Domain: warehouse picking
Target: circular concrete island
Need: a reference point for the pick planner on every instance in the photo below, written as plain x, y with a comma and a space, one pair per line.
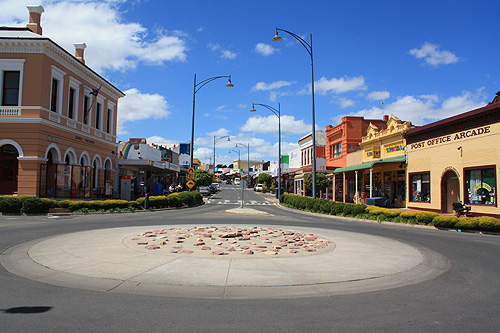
231, 262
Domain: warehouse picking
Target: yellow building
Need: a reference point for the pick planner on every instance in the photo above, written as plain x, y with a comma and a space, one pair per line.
57, 118
456, 160
382, 171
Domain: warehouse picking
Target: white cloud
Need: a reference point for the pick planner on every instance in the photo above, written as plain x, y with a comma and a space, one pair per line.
220, 132
433, 56
265, 49
421, 110
345, 103
269, 124
337, 86
138, 106
96, 24
378, 95
224, 53
271, 86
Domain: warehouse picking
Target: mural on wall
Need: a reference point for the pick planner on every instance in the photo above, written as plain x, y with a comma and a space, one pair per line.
166, 154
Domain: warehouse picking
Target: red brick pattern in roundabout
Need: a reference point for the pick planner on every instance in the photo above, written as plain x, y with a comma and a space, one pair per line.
233, 242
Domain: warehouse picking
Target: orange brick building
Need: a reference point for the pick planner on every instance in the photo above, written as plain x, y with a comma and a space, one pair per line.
345, 138
57, 118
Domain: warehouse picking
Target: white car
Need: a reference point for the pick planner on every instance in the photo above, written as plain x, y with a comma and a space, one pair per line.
259, 187
216, 186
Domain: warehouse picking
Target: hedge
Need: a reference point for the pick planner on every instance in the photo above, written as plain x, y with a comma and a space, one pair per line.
35, 205
483, 223
321, 206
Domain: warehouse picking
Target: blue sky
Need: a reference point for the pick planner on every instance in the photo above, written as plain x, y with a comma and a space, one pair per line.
419, 60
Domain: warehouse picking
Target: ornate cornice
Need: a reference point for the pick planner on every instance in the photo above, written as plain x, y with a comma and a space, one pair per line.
49, 48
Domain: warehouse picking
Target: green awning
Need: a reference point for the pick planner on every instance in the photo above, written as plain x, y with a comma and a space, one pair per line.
368, 165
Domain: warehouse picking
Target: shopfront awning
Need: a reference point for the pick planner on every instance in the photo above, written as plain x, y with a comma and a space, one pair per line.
369, 165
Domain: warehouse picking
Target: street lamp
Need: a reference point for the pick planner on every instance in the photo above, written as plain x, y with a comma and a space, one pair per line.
217, 140
236, 151
242, 181
309, 50
196, 88
247, 147
277, 113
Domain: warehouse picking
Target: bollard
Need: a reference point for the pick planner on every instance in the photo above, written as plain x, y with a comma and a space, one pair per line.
146, 201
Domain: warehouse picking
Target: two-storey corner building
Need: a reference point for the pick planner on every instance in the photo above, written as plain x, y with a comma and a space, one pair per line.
57, 118
382, 171
344, 138
456, 159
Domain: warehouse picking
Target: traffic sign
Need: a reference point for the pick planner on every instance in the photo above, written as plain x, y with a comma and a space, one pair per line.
191, 170
190, 184
190, 175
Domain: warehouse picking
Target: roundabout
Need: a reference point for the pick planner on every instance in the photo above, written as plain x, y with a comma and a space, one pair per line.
239, 262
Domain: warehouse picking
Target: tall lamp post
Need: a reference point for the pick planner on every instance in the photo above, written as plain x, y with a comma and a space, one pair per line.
242, 181
236, 151
247, 147
196, 88
277, 113
309, 50
217, 140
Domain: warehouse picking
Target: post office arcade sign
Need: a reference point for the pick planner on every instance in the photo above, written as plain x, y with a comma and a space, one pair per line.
451, 137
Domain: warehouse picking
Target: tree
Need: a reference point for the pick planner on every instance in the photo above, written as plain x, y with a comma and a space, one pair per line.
202, 177
265, 179
321, 181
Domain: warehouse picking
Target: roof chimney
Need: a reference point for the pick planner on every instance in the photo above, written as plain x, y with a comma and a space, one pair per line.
79, 49
35, 18
386, 118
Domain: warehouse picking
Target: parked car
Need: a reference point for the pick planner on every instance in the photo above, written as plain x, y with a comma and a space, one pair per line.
204, 190
258, 187
236, 181
216, 186
229, 182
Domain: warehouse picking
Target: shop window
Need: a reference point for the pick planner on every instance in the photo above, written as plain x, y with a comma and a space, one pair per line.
86, 110
57, 85
98, 116
108, 121
420, 187
337, 150
53, 95
10, 91
480, 186
71, 103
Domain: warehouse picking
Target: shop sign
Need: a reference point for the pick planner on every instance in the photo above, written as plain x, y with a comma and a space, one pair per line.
452, 137
393, 149
375, 152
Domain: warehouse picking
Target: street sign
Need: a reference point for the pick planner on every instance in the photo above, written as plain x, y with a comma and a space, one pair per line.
191, 170
190, 175
190, 183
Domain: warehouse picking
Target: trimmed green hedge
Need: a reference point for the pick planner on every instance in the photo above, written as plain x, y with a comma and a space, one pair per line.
483, 223
35, 205
322, 206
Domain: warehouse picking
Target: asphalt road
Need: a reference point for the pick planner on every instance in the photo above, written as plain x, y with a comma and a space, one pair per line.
464, 299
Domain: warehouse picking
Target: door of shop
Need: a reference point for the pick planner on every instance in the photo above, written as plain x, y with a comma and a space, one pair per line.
450, 191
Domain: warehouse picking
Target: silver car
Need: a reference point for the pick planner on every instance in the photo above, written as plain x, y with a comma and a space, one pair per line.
204, 190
